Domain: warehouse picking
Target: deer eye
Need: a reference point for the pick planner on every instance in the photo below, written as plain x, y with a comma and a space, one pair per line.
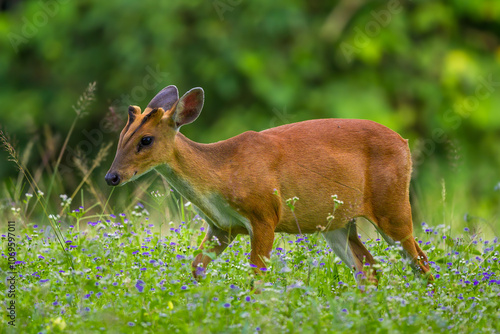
146, 141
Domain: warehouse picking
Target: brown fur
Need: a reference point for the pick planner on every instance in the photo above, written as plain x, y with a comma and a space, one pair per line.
365, 164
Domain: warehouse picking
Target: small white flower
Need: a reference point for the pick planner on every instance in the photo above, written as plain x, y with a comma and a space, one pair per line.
336, 200
157, 194
40, 193
28, 195
65, 200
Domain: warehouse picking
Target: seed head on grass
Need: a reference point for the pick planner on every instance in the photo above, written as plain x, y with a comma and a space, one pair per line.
9, 148
85, 99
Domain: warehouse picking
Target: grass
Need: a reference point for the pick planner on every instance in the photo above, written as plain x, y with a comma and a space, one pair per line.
85, 266
130, 275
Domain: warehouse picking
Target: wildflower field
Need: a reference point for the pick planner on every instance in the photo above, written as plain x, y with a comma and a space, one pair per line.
119, 261
127, 273
78, 256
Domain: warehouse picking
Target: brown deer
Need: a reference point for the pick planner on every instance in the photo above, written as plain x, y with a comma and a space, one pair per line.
241, 185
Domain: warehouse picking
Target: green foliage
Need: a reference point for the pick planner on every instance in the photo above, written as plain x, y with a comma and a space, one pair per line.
427, 69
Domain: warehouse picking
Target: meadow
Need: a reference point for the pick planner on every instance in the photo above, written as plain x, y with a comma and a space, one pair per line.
130, 272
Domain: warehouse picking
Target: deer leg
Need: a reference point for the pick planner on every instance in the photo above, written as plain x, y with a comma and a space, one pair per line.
218, 240
361, 254
346, 245
338, 240
262, 239
401, 229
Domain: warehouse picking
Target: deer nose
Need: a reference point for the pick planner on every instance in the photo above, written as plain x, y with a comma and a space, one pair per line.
113, 179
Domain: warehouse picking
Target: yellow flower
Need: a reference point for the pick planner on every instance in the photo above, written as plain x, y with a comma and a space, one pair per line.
59, 323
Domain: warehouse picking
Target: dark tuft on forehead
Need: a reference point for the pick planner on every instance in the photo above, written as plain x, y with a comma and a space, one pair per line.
131, 114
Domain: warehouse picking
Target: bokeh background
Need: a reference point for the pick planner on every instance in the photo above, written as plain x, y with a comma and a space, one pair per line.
430, 70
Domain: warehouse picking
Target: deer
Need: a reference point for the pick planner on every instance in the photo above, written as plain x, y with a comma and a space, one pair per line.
241, 185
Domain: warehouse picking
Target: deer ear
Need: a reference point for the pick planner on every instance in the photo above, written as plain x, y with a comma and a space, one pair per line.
189, 107
165, 99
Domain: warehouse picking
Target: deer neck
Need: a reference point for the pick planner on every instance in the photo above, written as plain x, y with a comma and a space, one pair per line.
192, 168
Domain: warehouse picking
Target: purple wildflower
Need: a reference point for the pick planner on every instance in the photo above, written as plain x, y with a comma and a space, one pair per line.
139, 285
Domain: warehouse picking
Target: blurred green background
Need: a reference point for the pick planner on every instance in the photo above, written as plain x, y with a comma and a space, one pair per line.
430, 70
